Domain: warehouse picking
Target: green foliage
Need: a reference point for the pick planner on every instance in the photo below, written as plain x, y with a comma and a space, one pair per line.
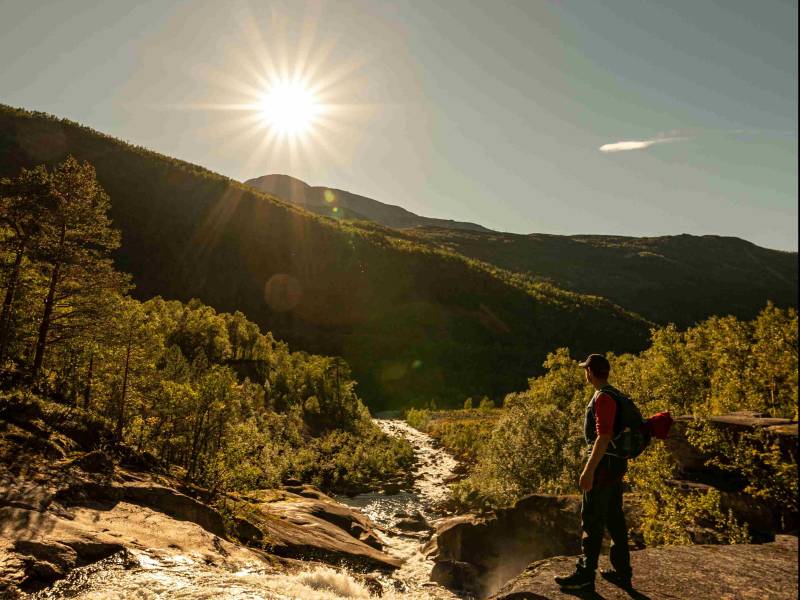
224, 405
720, 365
672, 279
418, 418
351, 461
468, 404
769, 471
675, 516
462, 434
486, 404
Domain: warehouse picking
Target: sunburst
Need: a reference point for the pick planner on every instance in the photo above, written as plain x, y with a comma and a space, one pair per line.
290, 96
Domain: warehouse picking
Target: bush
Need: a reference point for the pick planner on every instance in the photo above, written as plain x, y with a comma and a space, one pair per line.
418, 418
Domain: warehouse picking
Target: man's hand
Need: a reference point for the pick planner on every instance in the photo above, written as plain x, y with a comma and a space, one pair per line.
586, 480
598, 450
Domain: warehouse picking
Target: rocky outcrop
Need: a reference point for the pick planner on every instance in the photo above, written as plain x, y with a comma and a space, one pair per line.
310, 528
66, 501
696, 475
476, 554
691, 461
698, 572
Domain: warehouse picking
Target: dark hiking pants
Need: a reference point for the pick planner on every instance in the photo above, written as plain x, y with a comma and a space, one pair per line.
601, 509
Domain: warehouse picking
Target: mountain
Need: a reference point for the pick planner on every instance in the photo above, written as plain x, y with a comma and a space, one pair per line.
671, 279
414, 321
330, 202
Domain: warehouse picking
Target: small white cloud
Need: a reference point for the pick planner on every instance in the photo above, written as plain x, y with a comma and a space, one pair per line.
637, 144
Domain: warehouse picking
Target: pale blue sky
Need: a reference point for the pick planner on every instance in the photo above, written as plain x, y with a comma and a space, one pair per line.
492, 112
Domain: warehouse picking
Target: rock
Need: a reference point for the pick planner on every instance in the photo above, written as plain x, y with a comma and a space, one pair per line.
698, 572
173, 503
764, 520
691, 461
298, 527
55, 553
95, 461
292, 481
500, 546
416, 522
373, 586
456, 575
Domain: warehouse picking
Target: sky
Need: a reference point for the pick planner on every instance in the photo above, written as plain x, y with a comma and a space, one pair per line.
622, 117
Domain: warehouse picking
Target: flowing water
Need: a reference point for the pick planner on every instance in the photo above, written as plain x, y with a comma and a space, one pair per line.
151, 575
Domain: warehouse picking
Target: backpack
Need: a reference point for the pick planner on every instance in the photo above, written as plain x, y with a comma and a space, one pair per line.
635, 432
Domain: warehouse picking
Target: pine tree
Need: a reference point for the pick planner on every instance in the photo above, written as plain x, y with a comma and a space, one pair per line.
76, 241
24, 202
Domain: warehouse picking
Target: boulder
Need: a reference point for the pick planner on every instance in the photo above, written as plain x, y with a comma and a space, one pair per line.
416, 522
501, 545
294, 526
456, 575
95, 461
698, 572
764, 520
691, 462
173, 503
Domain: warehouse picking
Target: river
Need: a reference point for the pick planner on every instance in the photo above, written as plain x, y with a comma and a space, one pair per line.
145, 575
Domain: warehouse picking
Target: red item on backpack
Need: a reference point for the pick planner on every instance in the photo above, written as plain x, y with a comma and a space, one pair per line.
658, 425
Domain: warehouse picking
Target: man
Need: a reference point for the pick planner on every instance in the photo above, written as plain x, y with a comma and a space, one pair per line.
601, 484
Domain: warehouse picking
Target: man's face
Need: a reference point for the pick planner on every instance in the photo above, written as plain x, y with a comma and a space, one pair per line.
588, 374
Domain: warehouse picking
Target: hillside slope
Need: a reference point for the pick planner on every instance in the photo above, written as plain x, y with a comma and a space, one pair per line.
414, 321
680, 279
340, 204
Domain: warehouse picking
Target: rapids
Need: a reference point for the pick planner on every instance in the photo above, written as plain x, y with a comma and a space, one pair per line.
144, 574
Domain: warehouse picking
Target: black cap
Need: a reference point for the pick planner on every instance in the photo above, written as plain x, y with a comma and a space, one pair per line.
597, 364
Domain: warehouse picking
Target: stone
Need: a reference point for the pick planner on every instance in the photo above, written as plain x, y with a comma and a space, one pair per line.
95, 461
501, 545
173, 503
416, 522
456, 575
711, 572
294, 526
373, 586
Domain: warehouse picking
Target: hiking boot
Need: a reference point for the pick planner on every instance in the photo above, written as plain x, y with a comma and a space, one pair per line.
579, 580
616, 578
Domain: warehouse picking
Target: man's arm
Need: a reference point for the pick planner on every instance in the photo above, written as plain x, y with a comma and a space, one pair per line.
598, 451
605, 410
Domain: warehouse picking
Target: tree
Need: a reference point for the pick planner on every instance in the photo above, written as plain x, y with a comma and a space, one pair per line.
76, 241
23, 206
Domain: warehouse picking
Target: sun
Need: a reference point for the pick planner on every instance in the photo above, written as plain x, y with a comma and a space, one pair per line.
290, 107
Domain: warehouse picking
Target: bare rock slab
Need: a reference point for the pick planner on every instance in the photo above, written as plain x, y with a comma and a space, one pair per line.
741, 572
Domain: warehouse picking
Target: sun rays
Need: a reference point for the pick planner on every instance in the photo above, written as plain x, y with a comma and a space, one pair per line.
286, 95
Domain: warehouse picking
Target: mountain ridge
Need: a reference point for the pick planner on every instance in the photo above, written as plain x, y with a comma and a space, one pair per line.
679, 278
329, 201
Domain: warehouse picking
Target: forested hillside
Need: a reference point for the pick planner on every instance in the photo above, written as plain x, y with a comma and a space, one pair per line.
415, 322
671, 279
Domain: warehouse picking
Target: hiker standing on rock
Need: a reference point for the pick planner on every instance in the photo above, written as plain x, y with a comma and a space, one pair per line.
601, 484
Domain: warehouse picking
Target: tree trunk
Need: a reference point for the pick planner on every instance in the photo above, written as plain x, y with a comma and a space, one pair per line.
8, 303
87, 391
121, 410
44, 326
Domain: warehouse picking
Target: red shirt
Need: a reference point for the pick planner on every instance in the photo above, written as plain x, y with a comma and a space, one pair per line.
605, 409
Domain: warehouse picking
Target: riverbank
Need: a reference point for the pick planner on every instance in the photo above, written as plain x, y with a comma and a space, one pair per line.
85, 516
